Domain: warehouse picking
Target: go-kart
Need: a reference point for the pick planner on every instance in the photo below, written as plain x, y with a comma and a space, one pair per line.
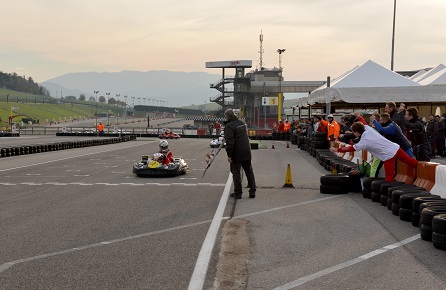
215, 143
169, 135
150, 167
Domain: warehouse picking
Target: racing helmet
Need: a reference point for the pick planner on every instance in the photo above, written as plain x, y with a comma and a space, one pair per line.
157, 156
164, 146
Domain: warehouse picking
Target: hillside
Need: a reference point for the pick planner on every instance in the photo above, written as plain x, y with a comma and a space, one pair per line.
44, 109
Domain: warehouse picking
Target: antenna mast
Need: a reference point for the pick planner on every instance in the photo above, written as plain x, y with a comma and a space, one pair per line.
261, 50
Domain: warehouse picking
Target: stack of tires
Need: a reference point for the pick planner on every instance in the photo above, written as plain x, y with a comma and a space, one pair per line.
367, 186
439, 231
340, 183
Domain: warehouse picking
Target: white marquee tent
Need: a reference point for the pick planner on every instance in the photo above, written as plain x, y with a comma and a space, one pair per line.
373, 83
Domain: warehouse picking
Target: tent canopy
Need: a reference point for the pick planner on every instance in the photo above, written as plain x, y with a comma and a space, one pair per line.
373, 83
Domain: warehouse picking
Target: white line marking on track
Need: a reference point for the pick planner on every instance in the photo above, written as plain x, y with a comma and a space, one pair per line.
35, 174
7, 265
118, 172
82, 175
71, 170
66, 158
346, 264
201, 267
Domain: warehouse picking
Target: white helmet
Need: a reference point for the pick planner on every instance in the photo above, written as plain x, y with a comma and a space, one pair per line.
157, 156
164, 146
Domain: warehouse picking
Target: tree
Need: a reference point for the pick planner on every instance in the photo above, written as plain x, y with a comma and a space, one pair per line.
101, 99
91, 99
82, 97
70, 98
111, 101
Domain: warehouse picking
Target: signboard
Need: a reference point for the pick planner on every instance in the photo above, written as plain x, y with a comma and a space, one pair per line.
229, 63
15, 108
270, 101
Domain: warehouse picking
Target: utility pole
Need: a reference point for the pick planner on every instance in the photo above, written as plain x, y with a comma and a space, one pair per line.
279, 94
97, 131
117, 112
393, 35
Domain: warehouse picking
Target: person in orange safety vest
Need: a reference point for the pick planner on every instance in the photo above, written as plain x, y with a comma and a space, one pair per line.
333, 128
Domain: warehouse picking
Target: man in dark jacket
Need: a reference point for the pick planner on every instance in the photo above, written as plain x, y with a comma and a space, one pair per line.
417, 134
397, 114
238, 150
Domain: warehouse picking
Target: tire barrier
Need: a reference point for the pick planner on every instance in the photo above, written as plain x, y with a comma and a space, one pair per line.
439, 231
64, 145
415, 196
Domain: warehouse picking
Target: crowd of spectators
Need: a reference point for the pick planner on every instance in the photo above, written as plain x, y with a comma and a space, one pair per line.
419, 138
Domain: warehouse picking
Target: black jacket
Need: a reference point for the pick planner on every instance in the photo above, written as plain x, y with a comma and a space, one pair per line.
237, 140
398, 117
417, 131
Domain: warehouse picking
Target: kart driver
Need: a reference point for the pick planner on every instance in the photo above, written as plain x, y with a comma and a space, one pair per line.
167, 155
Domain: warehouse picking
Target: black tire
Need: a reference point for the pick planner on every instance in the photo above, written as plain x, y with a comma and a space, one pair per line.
333, 189
405, 214
439, 240
384, 186
376, 185
439, 224
405, 188
375, 196
428, 214
416, 219
335, 180
366, 193
389, 203
395, 209
426, 232
406, 200
383, 200
367, 182
418, 201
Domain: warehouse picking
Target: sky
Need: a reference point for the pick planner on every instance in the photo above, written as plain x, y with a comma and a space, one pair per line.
44, 39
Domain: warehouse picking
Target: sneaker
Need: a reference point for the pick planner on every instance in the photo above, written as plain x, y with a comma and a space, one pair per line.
237, 196
252, 194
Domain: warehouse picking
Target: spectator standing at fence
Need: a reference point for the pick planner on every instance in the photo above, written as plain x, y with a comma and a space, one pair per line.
397, 114
101, 128
211, 128
333, 127
281, 126
440, 142
417, 133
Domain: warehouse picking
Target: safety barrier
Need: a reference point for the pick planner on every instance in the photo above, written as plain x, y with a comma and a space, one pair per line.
38, 148
439, 187
426, 174
405, 173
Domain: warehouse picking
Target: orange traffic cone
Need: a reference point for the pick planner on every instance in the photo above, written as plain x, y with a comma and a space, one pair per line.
287, 145
272, 147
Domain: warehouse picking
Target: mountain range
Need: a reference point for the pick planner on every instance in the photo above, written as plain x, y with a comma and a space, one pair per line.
175, 88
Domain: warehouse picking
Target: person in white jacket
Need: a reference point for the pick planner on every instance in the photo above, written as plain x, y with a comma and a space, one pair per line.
378, 146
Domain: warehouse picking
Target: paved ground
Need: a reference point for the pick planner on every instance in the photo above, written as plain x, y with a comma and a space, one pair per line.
79, 218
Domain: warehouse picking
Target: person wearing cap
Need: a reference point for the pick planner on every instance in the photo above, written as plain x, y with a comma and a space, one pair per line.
333, 127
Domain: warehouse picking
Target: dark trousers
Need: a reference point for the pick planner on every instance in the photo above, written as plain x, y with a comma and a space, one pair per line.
237, 176
440, 146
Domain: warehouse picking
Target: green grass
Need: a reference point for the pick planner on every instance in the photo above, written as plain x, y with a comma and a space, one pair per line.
39, 108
